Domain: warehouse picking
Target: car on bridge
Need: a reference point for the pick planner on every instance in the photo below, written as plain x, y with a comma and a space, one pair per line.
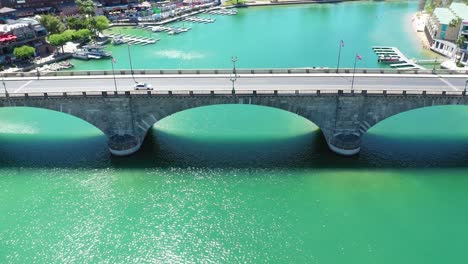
143, 86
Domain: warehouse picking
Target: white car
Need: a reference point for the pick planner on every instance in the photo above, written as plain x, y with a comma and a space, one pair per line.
143, 86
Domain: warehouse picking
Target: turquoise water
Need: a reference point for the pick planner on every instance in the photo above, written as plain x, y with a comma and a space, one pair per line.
234, 183
277, 37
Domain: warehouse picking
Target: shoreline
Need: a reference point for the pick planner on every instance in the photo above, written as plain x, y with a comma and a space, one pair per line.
294, 2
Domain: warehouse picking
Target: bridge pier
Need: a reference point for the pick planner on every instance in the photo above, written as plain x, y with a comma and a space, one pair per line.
346, 144
124, 145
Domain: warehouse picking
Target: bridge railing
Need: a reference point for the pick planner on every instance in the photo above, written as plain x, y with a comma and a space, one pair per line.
229, 71
240, 93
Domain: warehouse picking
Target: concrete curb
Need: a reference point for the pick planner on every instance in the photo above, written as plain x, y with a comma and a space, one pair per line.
211, 76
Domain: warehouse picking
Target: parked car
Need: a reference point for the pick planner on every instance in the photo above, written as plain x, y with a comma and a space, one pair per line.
143, 86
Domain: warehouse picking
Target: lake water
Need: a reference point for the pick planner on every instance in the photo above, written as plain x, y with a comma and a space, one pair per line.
242, 183
276, 37
234, 183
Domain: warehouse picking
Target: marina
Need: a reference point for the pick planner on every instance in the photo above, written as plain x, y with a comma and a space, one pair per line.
129, 39
211, 46
199, 20
395, 58
225, 12
91, 52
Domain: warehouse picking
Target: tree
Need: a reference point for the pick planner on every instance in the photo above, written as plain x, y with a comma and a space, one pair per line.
101, 23
455, 22
86, 7
24, 52
52, 24
58, 40
98, 24
460, 41
76, 23
69, 34
82, 34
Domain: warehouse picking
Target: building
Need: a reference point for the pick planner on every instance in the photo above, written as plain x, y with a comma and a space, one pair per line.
461, 11
25, 31
118, 2
445, 27
30, 7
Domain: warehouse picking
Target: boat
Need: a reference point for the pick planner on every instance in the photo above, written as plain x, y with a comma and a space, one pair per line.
96, 51
94, 57
80, 54
118, 41
65, 65
157, 29
388, 59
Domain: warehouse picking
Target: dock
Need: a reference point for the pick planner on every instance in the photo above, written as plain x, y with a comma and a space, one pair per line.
395, 58
225, 12
135, 40
196, 19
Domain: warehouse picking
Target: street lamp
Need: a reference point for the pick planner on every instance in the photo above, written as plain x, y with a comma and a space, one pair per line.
464, 90
113, 72
234, 73
130, 60
233, 80
4, 85
234, 59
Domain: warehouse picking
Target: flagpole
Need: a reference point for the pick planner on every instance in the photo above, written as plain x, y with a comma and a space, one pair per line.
113, 73
339, 55
354, 71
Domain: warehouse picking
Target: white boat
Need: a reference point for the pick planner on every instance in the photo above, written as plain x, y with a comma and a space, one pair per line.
80, 54
97, 51
118, 41
94, 57
157, 29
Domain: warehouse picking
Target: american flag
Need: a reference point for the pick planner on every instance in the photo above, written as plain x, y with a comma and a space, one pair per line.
114, 60
342, 43
358, 57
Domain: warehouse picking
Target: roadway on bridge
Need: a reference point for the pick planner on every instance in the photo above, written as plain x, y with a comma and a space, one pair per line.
244, 82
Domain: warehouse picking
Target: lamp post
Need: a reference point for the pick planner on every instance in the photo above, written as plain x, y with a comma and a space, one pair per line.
130, 60
357, 57
113, 73
4, 86
234, 59
464, 90
234, 73
233, 80
339, 55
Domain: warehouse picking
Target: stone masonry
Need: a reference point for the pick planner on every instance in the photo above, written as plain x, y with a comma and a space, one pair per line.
342, 117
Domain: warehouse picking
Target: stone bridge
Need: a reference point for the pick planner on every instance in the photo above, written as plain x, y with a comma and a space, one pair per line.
343, 116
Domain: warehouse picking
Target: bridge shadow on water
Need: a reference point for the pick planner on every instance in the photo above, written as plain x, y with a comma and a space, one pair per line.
162, 149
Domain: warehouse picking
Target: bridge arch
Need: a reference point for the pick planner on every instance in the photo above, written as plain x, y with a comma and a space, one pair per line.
55, 112
148, 121
374, 117
147, 118
342, 117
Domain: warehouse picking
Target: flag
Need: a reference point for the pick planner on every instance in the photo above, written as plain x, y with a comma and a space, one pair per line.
342, 43
129, 44
113, 60
358, 57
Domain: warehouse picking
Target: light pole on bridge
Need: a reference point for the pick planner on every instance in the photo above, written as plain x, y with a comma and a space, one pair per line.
234, 73
464, 90
113, 73
4, 86
130, 60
